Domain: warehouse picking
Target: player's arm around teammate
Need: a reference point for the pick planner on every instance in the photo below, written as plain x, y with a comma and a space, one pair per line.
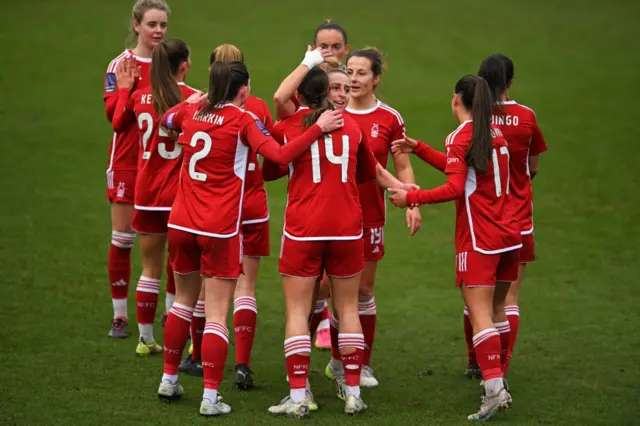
204, 235
487, 237
148, 26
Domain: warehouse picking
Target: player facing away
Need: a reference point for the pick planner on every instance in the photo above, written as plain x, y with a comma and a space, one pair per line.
255, 244
330, 45
323, 181
487, 236
157, 179
148, 26
520, 128
382, 125
205, 235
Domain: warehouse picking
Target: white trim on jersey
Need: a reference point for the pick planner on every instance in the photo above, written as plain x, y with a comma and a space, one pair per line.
364, 111
182, 83
392, 111
252, 221
152, 209
449, 140
206, 234
113, 153
114, 62
327, 238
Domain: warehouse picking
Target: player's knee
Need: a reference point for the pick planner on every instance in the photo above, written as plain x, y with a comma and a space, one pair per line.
124, 240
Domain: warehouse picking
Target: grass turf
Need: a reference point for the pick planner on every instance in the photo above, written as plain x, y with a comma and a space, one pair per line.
577, 355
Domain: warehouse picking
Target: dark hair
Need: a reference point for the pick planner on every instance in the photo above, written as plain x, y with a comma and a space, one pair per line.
226, 53
166, 59
493, 71
329, 25
313, 90
225, 81
374, 56
476, 97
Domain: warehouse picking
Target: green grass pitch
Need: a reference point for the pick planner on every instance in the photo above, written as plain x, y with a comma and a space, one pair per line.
577, 358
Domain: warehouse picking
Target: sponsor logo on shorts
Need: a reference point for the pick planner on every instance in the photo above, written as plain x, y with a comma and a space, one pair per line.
121, 190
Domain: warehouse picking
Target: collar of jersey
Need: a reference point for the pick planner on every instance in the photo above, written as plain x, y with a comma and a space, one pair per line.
365, 111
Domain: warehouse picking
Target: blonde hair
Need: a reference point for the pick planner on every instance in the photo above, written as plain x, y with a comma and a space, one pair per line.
226, 53
331, 67
137, 13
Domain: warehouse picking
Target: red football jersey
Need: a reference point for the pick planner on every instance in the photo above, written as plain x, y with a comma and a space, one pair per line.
160, 156
520, 128
382, 125
123, 151
255, 208
215, 154
323, 202
484, 221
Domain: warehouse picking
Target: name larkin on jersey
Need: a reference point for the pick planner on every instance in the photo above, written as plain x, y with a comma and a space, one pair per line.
210, 118
505, 120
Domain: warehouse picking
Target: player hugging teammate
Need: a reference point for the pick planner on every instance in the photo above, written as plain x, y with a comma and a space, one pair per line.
184, 168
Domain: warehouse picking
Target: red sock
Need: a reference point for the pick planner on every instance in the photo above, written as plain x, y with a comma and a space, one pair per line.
245, 316
468, 336
176, 332
316, 316
505, 339
487, 345
147, 299
215, 344
367, 311
334, 327
197, 329
352, 363
119, 264
297, 352
171, 288
513, 316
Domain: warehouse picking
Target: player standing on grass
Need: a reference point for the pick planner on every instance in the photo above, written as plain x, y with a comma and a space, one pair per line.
255, 244
205, 222
159, 166
487, 234
322, 181
382, 124
520, 128
149, 25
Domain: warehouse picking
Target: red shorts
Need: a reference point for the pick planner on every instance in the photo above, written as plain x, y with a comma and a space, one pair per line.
307, 259
213, 257
150, 221
476, 269
373, 243
120, 186
527, 252
255, 239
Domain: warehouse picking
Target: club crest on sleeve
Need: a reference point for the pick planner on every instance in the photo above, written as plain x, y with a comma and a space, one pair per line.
110, 83
262, 128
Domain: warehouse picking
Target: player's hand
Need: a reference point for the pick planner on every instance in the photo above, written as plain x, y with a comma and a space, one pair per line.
314, 57
409, 187
330, 121
124, 75
404, 145
196, 98
398, 197
414, 220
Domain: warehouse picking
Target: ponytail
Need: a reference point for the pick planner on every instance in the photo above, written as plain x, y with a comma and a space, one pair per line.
481, 145
225, 81
166, 59
313, 90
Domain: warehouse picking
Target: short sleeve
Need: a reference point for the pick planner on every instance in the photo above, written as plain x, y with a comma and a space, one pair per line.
538, 144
